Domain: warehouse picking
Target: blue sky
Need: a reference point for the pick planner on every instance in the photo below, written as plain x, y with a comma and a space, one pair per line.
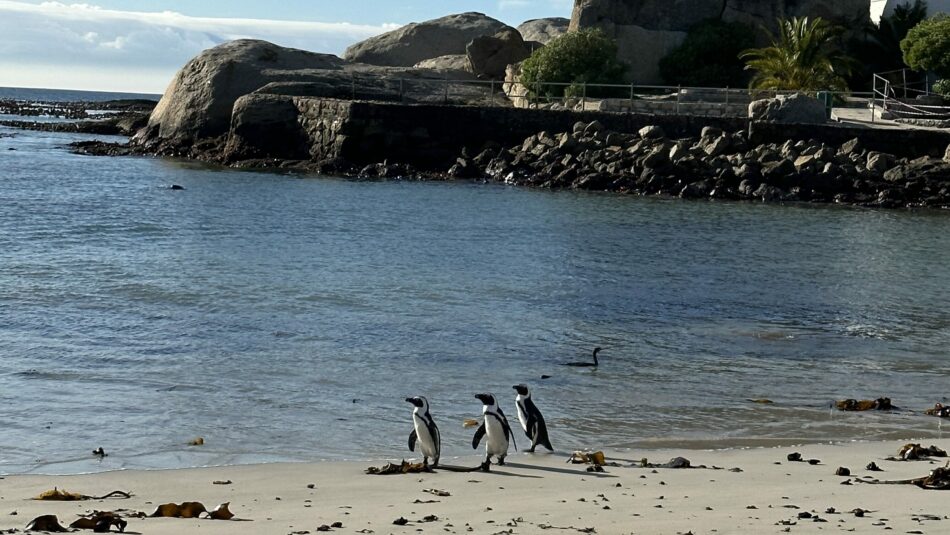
137, 45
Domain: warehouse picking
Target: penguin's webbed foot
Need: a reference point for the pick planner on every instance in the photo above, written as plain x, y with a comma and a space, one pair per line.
501, 461
531, 449
485, 466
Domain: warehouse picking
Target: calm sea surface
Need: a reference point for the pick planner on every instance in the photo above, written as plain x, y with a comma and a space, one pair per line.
286, 318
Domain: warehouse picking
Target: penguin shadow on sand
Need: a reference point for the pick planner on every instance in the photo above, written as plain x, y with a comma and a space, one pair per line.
556, 470
534, 427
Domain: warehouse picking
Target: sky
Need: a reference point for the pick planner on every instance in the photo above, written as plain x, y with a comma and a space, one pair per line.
138, 45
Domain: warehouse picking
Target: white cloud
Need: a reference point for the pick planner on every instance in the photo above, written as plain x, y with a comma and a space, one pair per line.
90, 45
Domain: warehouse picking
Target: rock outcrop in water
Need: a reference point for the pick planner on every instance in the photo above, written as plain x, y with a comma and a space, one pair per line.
254, 104
198, 102
648, 30
198, 108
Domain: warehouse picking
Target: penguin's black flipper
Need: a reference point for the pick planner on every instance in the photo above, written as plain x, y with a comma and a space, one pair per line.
479, 433
412, 440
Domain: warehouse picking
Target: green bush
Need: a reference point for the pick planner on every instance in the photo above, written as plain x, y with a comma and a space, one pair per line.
583, 57
709, 57
927, 46
942, 87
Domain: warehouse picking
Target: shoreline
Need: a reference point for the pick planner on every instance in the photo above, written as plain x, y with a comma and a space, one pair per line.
672, 156
744, 490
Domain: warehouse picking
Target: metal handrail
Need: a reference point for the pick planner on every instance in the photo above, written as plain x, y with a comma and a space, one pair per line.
666, 99
889, 90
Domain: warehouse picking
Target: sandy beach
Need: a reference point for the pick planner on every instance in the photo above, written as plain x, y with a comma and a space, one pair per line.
740, 491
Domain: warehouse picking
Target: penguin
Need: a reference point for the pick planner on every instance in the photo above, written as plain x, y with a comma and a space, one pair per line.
531, 420
496, 430
586, 364
425, 432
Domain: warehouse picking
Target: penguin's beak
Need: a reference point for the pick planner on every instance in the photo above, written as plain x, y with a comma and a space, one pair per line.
409, 400
482, 397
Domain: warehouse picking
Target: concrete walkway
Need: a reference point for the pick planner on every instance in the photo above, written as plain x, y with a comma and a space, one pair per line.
862, 117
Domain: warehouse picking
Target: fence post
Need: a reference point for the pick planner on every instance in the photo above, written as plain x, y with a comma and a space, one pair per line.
631, 97
353, 87
584, 96
491, 95
402, 93
873, 96
679, 92
445, 96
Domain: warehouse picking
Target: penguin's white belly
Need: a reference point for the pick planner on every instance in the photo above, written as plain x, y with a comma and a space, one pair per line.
497, 443
428, 444
522, 417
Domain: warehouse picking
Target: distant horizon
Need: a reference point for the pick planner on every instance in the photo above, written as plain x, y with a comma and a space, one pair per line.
110, 46
73, 89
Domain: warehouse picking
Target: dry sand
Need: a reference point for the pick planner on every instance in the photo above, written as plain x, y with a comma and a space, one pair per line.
537, 493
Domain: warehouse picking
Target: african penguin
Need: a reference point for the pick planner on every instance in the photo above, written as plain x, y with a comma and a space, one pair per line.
496, 430
531, 420
425, 432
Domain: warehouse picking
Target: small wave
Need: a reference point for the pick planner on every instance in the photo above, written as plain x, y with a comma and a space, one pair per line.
865, 330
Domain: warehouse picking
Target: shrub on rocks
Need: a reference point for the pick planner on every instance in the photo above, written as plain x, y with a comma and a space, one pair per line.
586, 56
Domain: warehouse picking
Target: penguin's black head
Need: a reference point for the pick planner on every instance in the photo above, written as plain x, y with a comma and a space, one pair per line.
417, 401
521, 389
487, 399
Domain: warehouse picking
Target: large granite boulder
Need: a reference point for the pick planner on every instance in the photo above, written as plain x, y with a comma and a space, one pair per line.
543, 30
198, 102
417, 42
489, 56
452, 62
789, 109
647, 30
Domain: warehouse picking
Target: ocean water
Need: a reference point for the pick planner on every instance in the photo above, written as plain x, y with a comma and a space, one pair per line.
285, 318
68, 95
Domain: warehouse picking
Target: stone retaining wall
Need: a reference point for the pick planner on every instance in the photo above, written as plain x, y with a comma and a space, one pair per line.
432, 136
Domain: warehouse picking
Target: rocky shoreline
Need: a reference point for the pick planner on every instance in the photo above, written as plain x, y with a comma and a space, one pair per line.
715, 165
124, 117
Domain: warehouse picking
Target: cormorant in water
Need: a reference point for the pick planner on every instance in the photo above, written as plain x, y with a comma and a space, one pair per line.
586, 364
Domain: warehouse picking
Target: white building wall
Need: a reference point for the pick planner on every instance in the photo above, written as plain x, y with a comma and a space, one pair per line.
880, 8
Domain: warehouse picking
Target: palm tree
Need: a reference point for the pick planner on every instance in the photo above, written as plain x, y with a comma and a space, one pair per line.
804, 57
